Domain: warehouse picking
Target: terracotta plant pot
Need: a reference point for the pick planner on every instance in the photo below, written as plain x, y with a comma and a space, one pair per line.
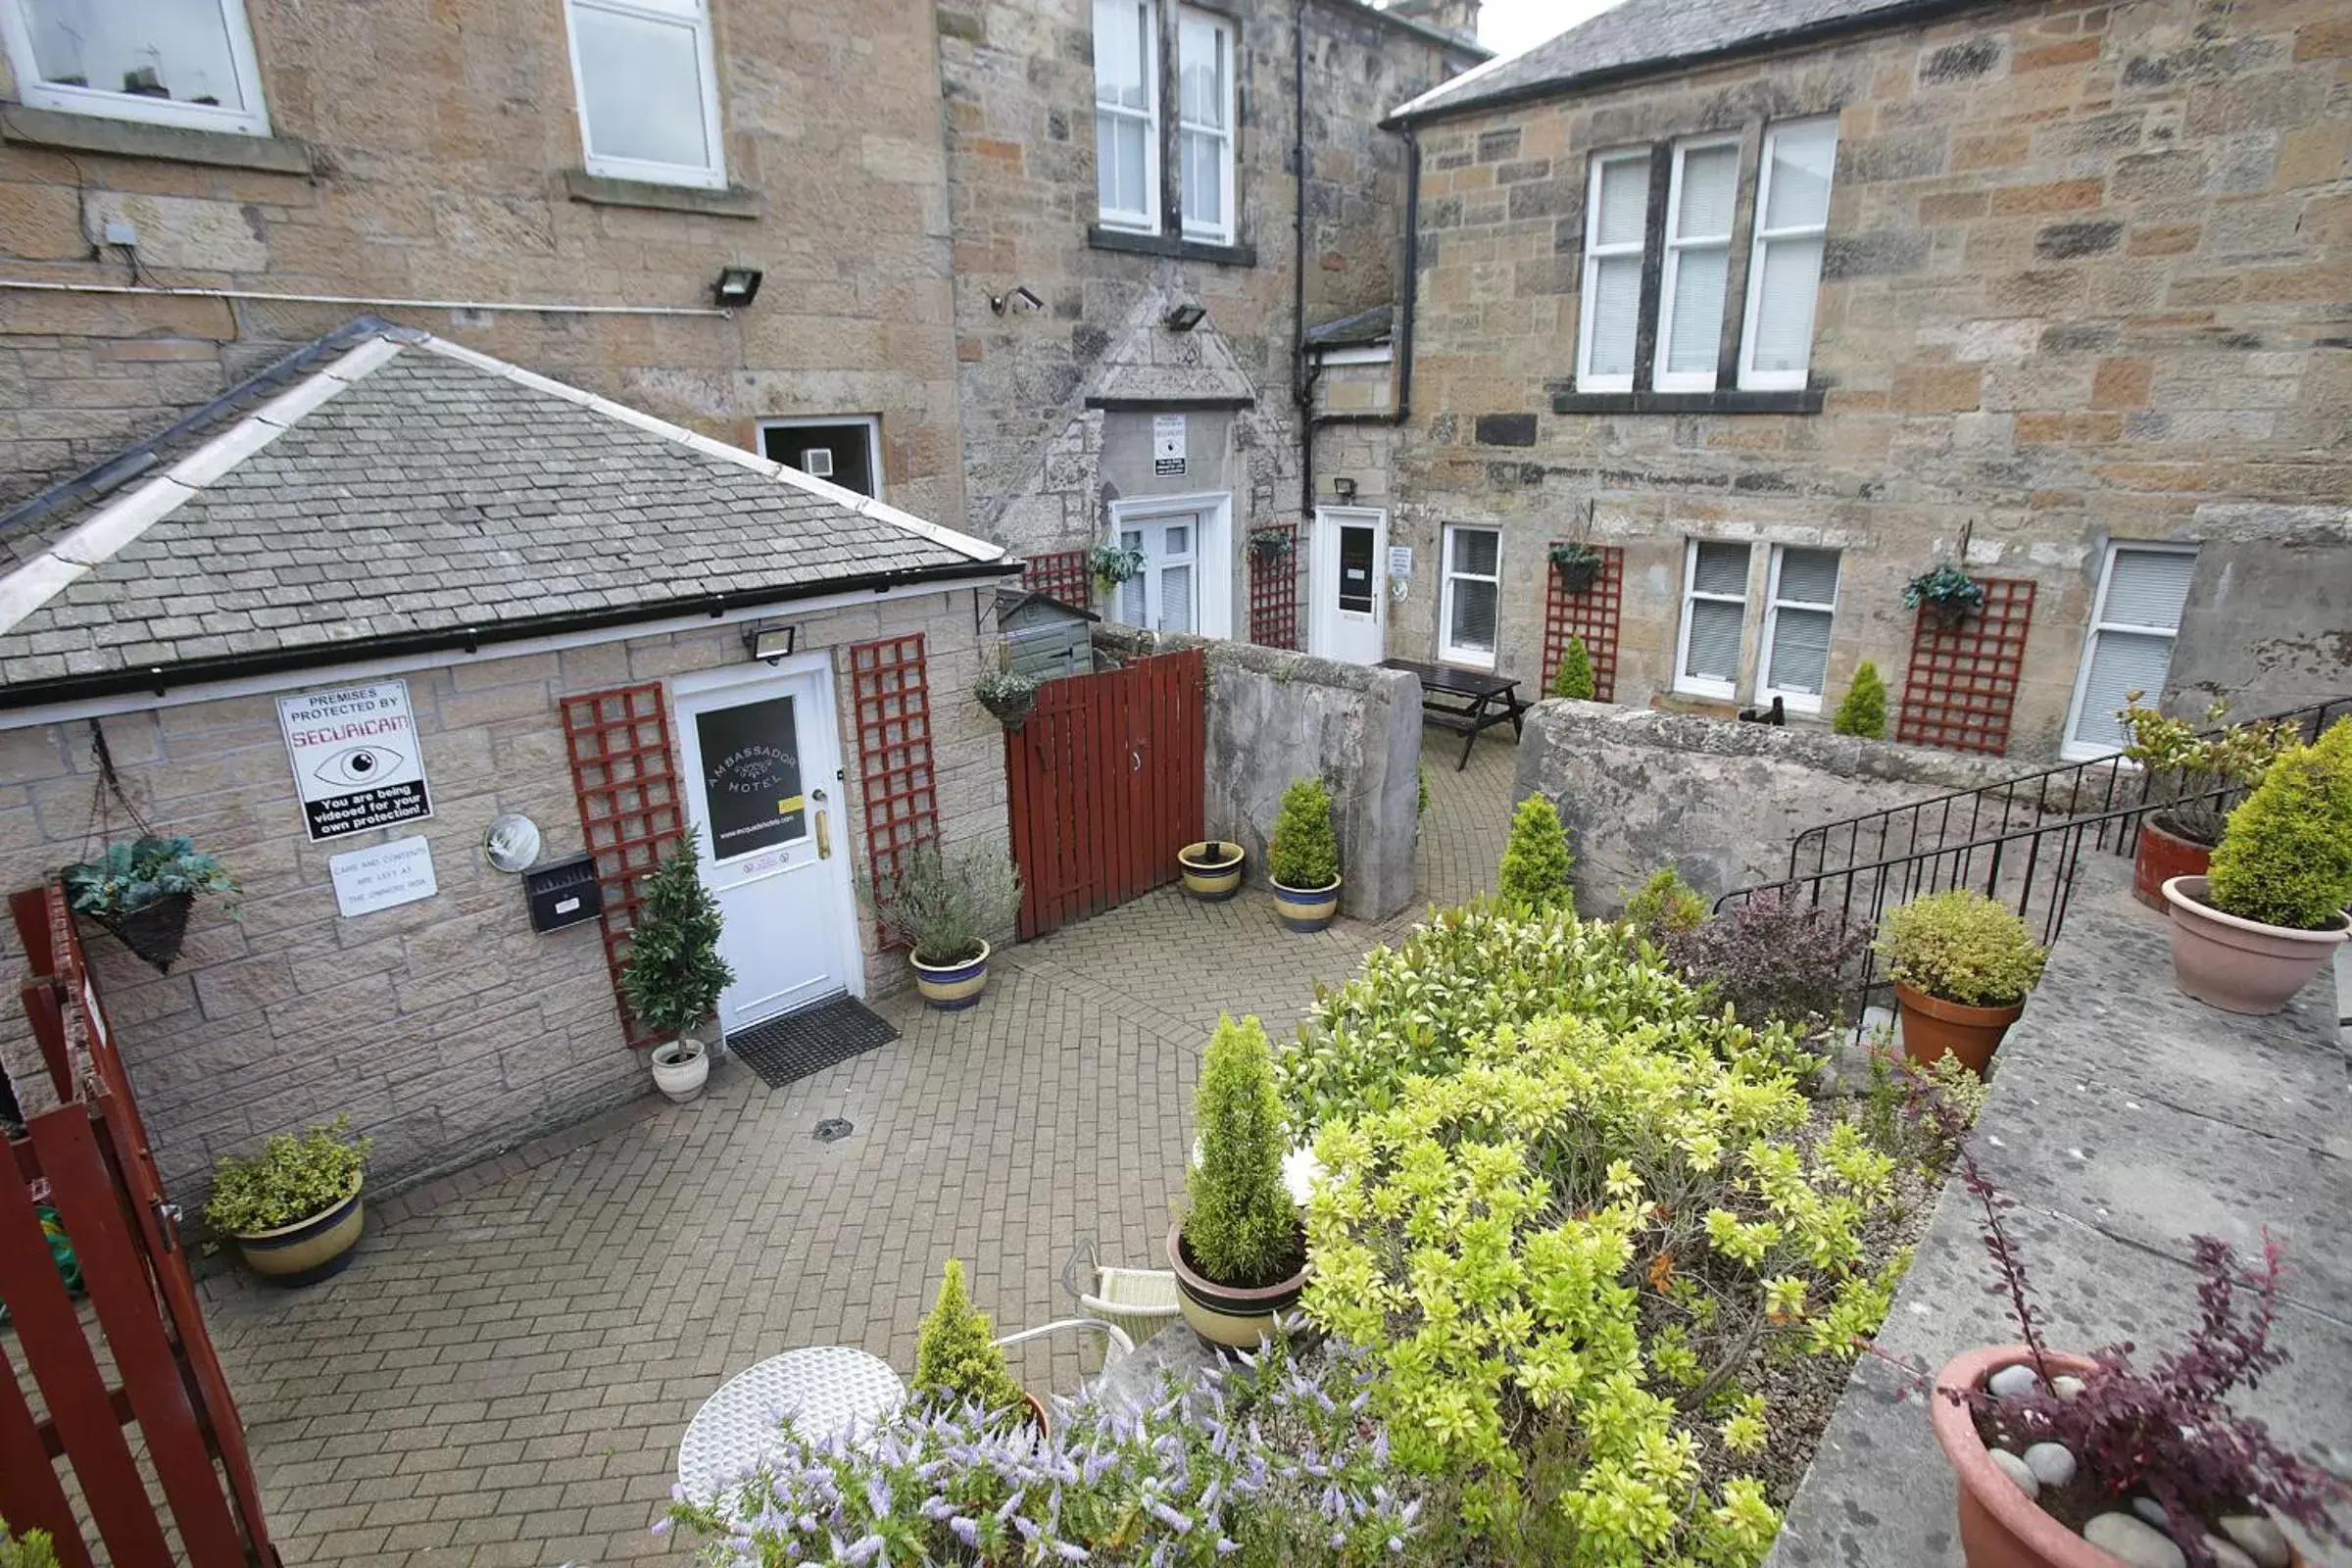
1222, 1314
951, 986
2163, 856
1306, 909
309, 1249
2241, 965
1212, 881
1934, 1028
1037, 1413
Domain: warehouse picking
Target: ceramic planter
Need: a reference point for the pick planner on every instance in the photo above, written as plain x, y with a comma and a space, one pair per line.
1934, 1028
951, 986
1306, 909
309, 1249
1211, 880
2241, 965
1238, 1319
2162, 857
682, 1068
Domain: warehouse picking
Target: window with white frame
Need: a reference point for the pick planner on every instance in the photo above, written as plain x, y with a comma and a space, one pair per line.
1206, 98
1127, 114
1470, 607
2142, 591
1784, 269
1161, 595
1616, 217
186, 62
1714, 615
648, 86
1800, 607
1701, 196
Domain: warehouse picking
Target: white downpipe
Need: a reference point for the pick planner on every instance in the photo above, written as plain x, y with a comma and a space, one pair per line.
158, 290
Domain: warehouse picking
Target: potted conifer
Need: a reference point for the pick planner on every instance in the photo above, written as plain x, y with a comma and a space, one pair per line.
1962, 966
1240, 1252
2249, 935
1535, 860
956, 1361
1864, 711
1302, 858
293, 1211
674, 975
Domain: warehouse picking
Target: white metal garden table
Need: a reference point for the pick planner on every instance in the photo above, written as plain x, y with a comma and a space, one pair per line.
821, 1390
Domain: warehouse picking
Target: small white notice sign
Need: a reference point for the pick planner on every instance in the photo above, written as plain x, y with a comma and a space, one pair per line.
1400, 561
382, 876
1168, 441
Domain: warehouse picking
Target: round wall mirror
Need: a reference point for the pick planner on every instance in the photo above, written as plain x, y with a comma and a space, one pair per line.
512, 843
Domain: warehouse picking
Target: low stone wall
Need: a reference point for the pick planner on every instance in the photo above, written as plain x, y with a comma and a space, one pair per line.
1720, 801
1275, 717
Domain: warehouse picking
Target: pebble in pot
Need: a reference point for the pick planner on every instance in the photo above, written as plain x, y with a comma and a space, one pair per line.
2013, 1382
2134, 1540
2259, 1537
2017, 1470
2052, 1463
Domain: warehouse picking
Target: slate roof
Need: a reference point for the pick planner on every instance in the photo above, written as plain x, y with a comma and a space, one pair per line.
1637, 36
440, 493
1363, 329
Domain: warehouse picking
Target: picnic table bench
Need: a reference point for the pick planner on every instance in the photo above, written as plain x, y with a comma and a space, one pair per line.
1465, 699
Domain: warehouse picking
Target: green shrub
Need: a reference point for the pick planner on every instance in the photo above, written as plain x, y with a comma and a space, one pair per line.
130, 876
942, 907
2285, 859
956, 1361
1535, 860
1962, 947
674, 975
1574, 677
32, 1549
1421, 770
1240, 1226
291, 1179
1303, 852
1665, 905
1864, 711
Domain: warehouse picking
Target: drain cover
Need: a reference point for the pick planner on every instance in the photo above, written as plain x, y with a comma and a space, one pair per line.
833, 1130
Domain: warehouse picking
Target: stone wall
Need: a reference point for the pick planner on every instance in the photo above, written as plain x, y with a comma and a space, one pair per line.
1275, 718
447, 1027
2084, 266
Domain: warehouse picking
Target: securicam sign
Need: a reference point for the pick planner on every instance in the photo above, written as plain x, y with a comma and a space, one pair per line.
356, 761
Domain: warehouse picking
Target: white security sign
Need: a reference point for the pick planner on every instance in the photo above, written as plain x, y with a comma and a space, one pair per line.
356, 761
1168, 443
1400, 561
382, 875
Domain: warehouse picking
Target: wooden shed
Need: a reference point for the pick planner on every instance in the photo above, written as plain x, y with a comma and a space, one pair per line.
1045, 637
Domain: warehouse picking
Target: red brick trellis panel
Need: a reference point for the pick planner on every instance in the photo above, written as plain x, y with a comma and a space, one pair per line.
1592, 616
1962, 687
626, 778
1274, 587
1063, 574
891, 688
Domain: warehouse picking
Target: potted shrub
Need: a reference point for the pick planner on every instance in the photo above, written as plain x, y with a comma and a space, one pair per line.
957, 1362
1115, 564
1962, 966
142, 892
1535, 859
1302, 858
941, 909
1577, 564
1945, 592
1240, 1252
1665, 905
1574, 678
674, 975
2248, 936
293, 1211
2178, 840
1864, 711
1212, 869
1008, 695
1773, 956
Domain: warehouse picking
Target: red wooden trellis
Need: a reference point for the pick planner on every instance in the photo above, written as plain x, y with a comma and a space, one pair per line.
1591, 614
1962, 687
1274, 585
626, 778
891, 684
84, 1154
1063, 574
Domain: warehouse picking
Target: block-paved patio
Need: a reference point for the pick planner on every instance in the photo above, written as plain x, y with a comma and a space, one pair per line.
503, 1375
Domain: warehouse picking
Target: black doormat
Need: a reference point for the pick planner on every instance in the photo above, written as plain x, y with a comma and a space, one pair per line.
783, 1050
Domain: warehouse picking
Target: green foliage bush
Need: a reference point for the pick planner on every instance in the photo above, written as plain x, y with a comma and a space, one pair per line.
32, 1549
130, 876
1665, 905
942, 907
291, 1179
1574, 677
1864, 711
1962, 947
1303, 851
955, 1363
2285, 859
1536, 862
1240, 1226
674, 975
1421, 770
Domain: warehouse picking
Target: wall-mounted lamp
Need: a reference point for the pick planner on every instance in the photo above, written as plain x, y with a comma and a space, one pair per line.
769, 641
737, 286
1001, 302
1343, 488
1184, 317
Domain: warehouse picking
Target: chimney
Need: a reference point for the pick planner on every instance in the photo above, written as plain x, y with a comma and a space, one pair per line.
1457, 16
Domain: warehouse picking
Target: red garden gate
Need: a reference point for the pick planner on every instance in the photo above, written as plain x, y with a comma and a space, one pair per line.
1106, 779
84, 1159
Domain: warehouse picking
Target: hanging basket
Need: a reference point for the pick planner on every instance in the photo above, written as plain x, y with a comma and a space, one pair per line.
1012, 712
1579, 575
155, 929
1946, 615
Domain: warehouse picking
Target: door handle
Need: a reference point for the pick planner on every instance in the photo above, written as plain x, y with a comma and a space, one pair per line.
824, 837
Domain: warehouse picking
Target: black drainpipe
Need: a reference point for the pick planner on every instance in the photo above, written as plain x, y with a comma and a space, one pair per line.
1302, 380
1412, 275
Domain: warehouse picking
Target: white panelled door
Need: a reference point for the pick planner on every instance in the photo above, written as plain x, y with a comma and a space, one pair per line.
1186, 584
1349, 614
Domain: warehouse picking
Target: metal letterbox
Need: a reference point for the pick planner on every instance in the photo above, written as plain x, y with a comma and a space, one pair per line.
564, 892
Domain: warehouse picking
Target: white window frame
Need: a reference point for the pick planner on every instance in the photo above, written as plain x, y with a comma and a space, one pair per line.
831, 422
694, 14
1222, 232
1211, 518
16, 32
1661, 379
1148, 220
1595, 255
2069, 749
1752, 380
1695, 685
1774, 604
1447, 652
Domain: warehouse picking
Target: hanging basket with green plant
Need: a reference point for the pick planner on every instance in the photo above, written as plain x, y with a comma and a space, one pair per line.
1578, 564
1008, 695
142, 892
1270, 545
1945, 592
1116, 563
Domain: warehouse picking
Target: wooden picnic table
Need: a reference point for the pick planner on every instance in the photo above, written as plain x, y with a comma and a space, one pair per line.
1466, 700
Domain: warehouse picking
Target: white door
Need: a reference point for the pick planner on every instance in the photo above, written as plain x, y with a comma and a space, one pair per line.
1187, 581
762, 763
1350, 616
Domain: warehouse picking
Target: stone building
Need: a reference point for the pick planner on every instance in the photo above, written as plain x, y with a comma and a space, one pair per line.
1776, 306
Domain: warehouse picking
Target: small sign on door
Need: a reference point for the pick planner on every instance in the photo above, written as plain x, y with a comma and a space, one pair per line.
1168, 443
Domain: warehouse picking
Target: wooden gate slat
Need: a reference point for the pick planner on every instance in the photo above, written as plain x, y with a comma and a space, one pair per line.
30, 1497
